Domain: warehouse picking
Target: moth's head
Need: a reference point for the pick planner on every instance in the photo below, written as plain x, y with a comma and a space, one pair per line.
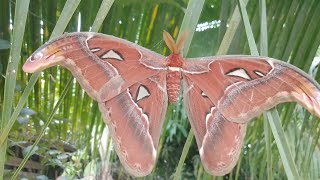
46, 56
175, 47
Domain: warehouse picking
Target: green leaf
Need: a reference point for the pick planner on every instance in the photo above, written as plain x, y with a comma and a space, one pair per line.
30, 150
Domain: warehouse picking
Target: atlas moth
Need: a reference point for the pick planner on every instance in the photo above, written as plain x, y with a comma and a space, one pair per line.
134, 85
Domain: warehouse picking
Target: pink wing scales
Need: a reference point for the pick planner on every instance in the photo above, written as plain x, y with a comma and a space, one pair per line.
103, 65
242, 87
135, 118
223, 93
127, 80
219, 140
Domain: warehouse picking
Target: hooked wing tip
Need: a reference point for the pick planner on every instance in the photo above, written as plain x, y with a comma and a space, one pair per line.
38, 64
309, 100
32, 64
43, 58
27, 67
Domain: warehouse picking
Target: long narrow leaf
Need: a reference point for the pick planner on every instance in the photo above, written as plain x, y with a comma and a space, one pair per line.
190, 21
184, 154
264, 52
282, 144
101, 15
11, 74
245, 18
231, 31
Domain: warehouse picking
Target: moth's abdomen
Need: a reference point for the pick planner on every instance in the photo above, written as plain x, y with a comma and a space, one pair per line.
173, 85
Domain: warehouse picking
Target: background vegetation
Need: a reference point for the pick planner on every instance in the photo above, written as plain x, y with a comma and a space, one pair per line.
69, 133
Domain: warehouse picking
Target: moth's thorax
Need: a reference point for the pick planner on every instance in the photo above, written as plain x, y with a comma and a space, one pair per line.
175, 60
174, 76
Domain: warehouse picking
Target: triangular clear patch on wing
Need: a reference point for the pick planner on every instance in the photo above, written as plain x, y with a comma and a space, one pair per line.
111, 54
239, 73
142, 93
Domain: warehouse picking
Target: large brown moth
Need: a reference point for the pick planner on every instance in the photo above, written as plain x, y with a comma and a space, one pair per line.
134, 85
